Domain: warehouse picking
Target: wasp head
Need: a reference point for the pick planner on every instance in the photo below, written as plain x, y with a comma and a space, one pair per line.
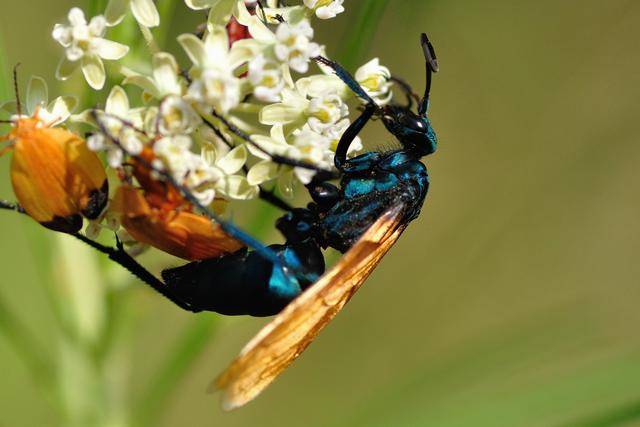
413, 130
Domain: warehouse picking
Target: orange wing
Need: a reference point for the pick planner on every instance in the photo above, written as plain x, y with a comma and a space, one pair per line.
281, 341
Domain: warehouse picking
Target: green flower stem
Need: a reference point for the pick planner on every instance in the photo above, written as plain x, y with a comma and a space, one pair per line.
197, 334
360, 35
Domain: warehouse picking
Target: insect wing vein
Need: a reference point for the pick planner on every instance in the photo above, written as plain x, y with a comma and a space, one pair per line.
281, 341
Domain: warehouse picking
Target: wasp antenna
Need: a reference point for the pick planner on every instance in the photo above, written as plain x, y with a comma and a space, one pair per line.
16, 89
431, 65
429, 53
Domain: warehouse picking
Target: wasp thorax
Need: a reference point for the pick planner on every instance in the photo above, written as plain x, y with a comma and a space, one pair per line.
55, 177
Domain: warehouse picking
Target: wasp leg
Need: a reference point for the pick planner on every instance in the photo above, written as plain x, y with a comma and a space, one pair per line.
371, 107
267, 196
408, 91
282, 160
350, 134
121, 257
271, 198
226, 226
347, 78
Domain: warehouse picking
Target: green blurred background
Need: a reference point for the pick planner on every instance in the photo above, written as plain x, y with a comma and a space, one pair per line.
512, 300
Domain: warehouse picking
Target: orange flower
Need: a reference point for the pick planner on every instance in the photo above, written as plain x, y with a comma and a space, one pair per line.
55, 176
178, 232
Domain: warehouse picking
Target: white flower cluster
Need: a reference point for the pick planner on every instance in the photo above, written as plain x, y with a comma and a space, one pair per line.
246, 79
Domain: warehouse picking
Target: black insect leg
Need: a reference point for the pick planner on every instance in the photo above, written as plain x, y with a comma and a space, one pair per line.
371, 107
408, 91
347, 78
325, 174
226, 226
121, 257
267, 196
350, 134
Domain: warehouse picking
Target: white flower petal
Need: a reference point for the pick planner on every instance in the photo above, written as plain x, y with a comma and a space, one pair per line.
116, 11
194, 48
62, 107
285, 184
143, 82
62, 34
220, 11
165, 74
277, 134
216, 45
93, 70
259, 31
242, 14
37, 94
117, 102
115, 157
85, 117
97, 26
280, 114
200, 4
319, 84
243, 51
238, 187
65, 69
109, 50
76, 17
145, 12
262, 172
234, 160
304, 175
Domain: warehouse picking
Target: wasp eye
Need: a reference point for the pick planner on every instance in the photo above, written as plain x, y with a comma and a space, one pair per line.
414, 123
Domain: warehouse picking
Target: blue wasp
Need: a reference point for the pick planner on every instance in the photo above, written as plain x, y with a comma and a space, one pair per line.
261, 282
378, 194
